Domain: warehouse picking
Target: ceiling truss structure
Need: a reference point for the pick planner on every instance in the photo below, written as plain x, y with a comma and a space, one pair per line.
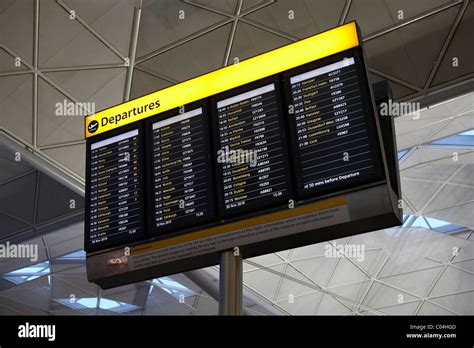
131, 63
286, 266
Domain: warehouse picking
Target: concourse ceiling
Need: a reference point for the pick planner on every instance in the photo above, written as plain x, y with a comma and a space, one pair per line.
423, 48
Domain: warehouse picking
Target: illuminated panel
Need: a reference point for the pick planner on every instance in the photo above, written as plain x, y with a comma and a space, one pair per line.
252, 69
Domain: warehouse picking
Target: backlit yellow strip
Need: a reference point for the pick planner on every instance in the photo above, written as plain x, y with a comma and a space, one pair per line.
253, 69
234, 226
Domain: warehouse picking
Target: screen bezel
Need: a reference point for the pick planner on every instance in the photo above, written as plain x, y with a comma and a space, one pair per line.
370, 116
210, 105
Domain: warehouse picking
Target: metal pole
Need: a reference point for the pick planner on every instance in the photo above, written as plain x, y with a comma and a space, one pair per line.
132, 52
230, 284
204, 282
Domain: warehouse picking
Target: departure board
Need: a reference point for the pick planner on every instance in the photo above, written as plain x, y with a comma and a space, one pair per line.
283, 150
115, 193
181, 174
331, 126
252, 156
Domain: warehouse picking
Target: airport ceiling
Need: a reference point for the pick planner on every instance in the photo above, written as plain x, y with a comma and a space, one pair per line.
82, 59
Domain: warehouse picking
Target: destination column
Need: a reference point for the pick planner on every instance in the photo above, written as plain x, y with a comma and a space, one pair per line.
331, 126
182, 192
252, 154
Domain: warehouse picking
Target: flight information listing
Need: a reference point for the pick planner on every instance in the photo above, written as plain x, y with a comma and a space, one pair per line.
252, 155
115, 189
182, 194
330, 124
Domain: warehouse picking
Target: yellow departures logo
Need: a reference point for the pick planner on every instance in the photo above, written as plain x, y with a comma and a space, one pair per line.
267, 64
115, 120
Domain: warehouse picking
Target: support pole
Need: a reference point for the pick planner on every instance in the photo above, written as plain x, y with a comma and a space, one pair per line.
230, 284
132, 52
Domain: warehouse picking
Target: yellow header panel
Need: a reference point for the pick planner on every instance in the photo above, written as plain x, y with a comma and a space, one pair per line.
253, 69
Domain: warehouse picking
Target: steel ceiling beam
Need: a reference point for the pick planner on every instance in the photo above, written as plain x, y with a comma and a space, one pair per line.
411, 20
82, 67
395, 79
35, 76
53, 68
16, 218
33, 231
205, 283
257, 7
263, 299
378, 280
439, 182
437, 159
372, 281
446, 44
433, 284
99, 37
36, 199
314, 287
449, 207
35, 71
422, 210
183, 41
268, 29
133, 50
345, 12
208, 8
36, 159
60, 145
17, 177
285, 268
155, 74
228, 20
311, 281
444, 91
15, 73
233, 30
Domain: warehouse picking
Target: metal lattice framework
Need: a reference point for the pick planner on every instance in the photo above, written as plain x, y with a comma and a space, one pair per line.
269, 279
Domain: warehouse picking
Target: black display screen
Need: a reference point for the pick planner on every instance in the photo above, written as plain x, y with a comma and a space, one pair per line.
114, 193
252, 157
181, 173
304, 134
332, 125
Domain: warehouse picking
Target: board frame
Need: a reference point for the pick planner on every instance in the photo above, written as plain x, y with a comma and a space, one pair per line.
381, 211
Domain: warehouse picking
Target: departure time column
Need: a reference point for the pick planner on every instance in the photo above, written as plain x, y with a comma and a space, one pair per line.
115, 190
